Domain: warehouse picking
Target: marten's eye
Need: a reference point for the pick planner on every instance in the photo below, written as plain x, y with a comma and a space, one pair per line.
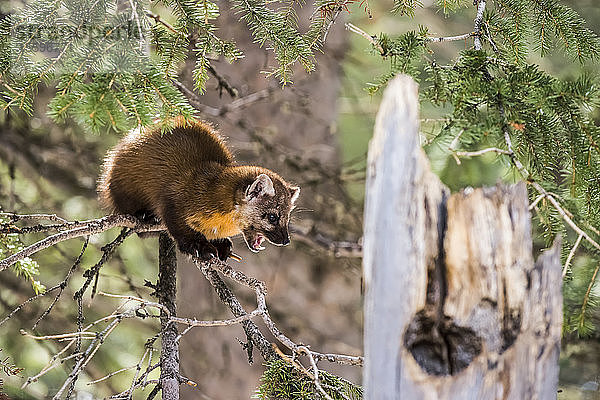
272, 218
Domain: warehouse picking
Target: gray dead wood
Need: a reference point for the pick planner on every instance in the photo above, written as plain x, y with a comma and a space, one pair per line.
455, 306
166, 290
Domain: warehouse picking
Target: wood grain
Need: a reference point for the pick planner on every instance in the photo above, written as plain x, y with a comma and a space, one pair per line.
455, 306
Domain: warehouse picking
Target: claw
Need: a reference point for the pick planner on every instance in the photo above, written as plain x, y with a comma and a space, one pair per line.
235, 257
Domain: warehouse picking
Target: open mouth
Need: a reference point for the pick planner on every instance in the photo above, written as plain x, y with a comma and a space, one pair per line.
256, 243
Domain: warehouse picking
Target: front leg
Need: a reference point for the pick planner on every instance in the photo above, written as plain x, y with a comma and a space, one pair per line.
223, 247
188, 240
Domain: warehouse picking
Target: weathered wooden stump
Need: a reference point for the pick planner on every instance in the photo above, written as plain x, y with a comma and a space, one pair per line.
455, 306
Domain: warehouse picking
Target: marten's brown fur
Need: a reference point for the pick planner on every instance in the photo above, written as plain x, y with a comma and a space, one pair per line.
187, 178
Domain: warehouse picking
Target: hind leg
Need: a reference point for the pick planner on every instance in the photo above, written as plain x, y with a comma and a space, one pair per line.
129, 203
126, 202
188, 240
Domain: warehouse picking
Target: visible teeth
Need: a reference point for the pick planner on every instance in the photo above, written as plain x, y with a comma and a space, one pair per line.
261, 248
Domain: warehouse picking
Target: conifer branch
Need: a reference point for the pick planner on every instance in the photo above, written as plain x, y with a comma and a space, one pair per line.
525, 174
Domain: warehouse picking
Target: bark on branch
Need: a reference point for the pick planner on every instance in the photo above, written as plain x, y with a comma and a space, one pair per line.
166, 291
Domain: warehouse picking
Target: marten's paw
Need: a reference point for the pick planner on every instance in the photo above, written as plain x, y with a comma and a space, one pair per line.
223, 247
198, 248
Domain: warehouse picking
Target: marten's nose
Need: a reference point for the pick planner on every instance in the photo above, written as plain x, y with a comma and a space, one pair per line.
286, 240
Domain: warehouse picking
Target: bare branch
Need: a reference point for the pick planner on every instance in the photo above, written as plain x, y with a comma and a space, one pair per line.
477, 27
51, 364
336, 248
239, 103
570, 256
450, 38
223, 83
143, 303
19, 217
91, 227
306, 351
536, 201
112, 374
87, 356
84, 335
372, 39
61, 286
259, 289
196, 101
481, 152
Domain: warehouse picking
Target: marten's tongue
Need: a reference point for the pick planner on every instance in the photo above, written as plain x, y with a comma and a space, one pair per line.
256, 244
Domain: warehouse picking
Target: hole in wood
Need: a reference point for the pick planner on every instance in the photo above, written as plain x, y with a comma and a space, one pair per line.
441, 347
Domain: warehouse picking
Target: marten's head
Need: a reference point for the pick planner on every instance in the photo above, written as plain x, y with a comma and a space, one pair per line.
266, 206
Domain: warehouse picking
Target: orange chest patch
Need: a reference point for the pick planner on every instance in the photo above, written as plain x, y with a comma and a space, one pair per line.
215, 226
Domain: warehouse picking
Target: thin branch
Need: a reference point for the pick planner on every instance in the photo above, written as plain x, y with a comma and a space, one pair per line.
19, 217
489, 37
330, 24
191, 322
477, 27
138, 369
536, 201
336, 248
87, 356
372, 39
89, 228
63, 284
260, 292
143, 303
450, 38
51, 364
570, 256
317, 382
564, 215
481, 152
164, 23
112, 374
196, 101
223, 83
249, 99
239, 103
29, 300
84, 335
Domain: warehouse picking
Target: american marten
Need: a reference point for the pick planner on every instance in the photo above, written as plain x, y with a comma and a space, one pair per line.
187, 179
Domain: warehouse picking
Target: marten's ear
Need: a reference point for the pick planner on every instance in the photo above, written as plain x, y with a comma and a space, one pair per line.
262, 185
294, 192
